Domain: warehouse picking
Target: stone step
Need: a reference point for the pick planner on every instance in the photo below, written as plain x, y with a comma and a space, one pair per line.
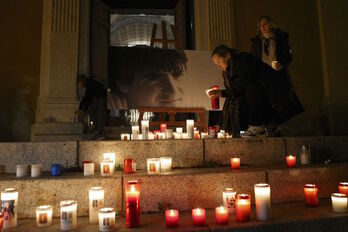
185, 153
183, 189
285, 217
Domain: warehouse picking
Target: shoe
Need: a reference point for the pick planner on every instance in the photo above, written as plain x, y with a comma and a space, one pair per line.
274, 131
255, 132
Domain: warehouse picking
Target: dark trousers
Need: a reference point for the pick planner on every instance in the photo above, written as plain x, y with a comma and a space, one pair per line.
257, 104
97, 111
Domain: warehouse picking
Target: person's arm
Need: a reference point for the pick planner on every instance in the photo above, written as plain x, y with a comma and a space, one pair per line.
285, 50
86, 100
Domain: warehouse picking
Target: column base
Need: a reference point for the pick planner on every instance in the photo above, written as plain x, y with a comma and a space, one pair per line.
56, 131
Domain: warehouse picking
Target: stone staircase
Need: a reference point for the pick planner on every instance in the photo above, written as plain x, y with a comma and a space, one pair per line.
199, 176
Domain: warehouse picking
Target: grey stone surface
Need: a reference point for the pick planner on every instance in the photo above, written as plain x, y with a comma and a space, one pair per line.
335, 148
45, 153
192, 188
251, 151
52, 190
185, 153
285, 217
287, 184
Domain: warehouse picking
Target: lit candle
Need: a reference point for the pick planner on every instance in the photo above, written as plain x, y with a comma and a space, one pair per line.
160, 135
229, 198
36, 170
107, 168
177, 135
179, 130
198, 217
44, 215
311, 195
88, 169
153, 166
196, 134
235, 163
221, 135
172, 218
96, 202
184, 136
107, 219
339, 202
263, 201
189, 128
212, 132
169, 134
166, 164
145, 129
125, 136
343, 187
243, 207
1, 219
163, 127
9, 201
85, 162
221, 214
110, 156
204, 135
132, 204
150, 136
68, 215
135, 132
290, 161
129, 166
22, 170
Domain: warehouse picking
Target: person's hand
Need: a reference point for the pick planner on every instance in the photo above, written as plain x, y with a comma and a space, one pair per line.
276, 65
215, 93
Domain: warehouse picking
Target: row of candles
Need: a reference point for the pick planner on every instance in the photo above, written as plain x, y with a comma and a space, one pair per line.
164, 133
240, 204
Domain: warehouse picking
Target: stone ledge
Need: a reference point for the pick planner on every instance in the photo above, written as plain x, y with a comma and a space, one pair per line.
45, 153
51, 190
185, 153
287, 184
191, 188
251, 151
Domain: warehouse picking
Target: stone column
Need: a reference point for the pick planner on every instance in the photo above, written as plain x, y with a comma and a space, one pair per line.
214, 23
59, 65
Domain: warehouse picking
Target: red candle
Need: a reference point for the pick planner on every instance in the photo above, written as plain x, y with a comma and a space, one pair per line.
196, 134
129, 166
198, 217
235, 163
311, 195
290, 161
163, 127
212, 130
172, 218
85, 162
343, 188
133, 204
243, 207
215, 101
221, 214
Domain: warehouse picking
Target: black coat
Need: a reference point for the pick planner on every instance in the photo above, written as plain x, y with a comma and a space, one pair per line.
93, 90
243, 69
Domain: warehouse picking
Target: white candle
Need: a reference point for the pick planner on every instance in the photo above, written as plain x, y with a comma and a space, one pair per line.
184, 136
22, 170
88, 169
107, 168
160, 135
110, 156
125, 136
189, 128
9, 201
339, 202
179, 130
229, 198
153, 165
96, 202
204, 135
36, 170
169, 134
263, 201
177, 135
106, 219
150, 136
135, 132
145, 128
68, 215
44, 215
221, 135
166, 164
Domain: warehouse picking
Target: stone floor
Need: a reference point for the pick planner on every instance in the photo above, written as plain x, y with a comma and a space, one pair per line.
285, 217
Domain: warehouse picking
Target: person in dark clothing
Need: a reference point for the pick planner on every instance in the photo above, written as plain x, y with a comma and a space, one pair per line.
255, 94
93, 102
271, 45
